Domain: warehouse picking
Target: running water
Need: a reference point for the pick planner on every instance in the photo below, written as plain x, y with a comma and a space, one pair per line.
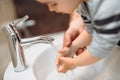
59, 76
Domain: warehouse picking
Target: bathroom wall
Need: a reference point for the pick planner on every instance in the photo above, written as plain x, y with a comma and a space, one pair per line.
4, 54
7, 14
7, 11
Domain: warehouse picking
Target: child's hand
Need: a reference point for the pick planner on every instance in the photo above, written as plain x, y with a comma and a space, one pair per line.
64, 64
65, 59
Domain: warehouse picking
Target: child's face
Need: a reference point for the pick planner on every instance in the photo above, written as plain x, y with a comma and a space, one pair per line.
61, 6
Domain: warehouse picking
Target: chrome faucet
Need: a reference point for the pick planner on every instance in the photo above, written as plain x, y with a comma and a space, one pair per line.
15, 43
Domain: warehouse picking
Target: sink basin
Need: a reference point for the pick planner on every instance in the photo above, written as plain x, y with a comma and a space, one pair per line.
44, 68
45, 63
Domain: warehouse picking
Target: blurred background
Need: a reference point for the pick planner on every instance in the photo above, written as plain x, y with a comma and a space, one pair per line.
41, 20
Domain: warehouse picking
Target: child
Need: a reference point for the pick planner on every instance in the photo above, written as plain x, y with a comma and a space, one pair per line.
100, 35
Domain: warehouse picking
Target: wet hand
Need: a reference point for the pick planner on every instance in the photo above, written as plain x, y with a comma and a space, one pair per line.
65, 63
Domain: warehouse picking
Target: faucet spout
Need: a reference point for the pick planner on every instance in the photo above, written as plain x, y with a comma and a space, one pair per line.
37, 39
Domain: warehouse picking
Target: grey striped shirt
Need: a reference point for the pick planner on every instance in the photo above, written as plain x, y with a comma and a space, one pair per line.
103, 17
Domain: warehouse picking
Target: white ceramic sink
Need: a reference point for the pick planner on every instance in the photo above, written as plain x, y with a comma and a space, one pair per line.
40, 59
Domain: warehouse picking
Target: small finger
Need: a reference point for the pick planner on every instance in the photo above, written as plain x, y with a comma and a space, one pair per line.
57, 62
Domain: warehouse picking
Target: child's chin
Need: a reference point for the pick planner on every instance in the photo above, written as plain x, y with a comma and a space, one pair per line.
62, 12
65, 12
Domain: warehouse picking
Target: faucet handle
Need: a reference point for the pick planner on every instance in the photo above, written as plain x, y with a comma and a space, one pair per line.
11, 28
20, 20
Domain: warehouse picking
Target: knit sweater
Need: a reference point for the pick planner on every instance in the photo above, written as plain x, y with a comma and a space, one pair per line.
102, 18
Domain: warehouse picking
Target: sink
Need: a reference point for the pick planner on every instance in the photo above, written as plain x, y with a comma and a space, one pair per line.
40, 59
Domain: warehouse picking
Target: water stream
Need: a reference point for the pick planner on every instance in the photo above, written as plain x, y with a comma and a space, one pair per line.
56, 75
